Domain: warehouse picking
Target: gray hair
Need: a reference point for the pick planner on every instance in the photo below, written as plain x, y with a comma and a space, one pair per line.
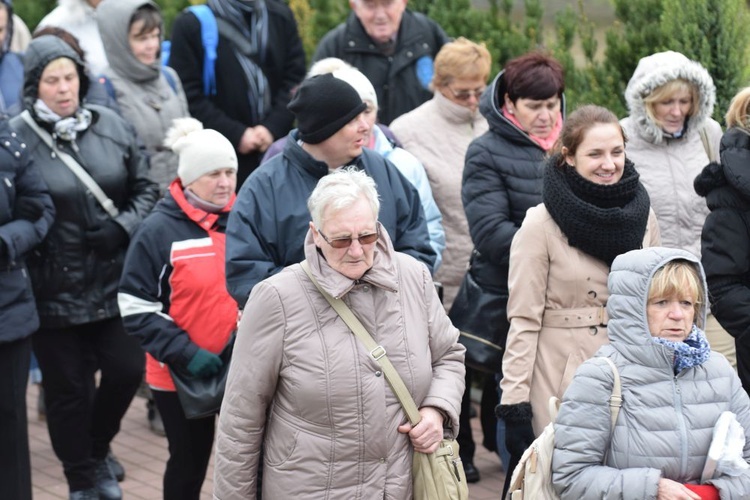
342, 189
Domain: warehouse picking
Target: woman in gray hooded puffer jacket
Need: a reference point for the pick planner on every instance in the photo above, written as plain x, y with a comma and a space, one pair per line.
674, 388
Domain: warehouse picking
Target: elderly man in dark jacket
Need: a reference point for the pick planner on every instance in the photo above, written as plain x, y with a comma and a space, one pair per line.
26, 214
253, 86
394, 48
268, 223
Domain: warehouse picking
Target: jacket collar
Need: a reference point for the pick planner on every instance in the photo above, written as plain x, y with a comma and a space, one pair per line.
301, 159
204, 219
454, 113
382, 274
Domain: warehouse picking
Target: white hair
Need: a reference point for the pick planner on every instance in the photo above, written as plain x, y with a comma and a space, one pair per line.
342, 189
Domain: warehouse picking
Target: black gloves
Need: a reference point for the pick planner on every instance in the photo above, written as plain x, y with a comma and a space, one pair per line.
28, 209
518, 431
107, 238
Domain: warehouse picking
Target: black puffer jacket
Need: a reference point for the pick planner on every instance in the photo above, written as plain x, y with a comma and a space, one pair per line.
73, 283
19, 179
502, 180
394, 77
725, 241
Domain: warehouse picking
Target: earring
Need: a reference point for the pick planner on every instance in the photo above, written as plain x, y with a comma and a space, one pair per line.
511, 112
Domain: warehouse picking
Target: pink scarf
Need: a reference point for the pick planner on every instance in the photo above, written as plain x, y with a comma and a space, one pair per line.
545, 143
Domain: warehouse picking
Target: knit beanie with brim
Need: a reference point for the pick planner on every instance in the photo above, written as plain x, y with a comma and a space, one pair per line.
323, 104
201, 151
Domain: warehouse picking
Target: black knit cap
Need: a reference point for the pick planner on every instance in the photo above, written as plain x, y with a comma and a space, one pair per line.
323, 104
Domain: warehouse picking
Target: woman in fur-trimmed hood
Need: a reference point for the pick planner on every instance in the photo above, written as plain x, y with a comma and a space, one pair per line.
671, 99
671, 137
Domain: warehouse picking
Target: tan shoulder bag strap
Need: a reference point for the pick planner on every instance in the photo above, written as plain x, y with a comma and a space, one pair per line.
615, 400
376, 351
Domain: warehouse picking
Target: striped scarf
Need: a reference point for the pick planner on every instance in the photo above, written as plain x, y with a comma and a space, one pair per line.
234, 12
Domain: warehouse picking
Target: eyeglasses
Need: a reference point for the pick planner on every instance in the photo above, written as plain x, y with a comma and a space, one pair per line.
465, 95
365, 239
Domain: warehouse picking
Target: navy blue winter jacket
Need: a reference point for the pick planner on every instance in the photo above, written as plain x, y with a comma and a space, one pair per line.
19, 179
269, 221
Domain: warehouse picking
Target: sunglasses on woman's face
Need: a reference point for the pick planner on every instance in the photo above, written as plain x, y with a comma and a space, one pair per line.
465, 95
365, 239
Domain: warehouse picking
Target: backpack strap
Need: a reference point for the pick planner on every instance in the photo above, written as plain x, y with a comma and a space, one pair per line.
108, 87
170, 79
615, 400
209, 40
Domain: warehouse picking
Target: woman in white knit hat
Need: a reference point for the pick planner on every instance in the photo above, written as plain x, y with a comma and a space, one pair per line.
173, 297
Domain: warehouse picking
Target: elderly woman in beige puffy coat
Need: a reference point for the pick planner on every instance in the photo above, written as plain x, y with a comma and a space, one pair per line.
301, 381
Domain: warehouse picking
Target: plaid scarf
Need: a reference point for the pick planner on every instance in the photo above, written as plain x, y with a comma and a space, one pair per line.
693, 351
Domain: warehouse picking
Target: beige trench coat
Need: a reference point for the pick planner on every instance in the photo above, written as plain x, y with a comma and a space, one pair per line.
556, 309
331, 426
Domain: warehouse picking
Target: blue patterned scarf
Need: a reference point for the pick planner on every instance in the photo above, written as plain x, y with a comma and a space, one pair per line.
693, 351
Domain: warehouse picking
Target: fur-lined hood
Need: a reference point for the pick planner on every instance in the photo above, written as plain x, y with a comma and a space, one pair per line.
654, 71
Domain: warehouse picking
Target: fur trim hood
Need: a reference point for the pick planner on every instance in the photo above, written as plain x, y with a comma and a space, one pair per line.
654, 71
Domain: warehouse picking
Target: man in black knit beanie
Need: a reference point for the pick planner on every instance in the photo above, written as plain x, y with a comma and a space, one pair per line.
269, 220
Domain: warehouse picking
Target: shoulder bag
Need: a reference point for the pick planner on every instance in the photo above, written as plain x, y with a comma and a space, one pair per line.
532, 477
201, 397
437, 476
480, 314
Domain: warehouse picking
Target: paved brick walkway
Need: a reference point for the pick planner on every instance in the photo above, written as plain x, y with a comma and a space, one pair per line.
144, 454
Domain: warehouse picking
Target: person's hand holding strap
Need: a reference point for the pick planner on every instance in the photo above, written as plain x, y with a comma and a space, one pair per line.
427, 434
204, 364
29, 209
672, 490
519, 434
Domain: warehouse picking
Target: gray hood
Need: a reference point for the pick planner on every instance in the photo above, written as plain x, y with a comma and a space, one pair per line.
113, 18
654, 71
40, 52
629, 281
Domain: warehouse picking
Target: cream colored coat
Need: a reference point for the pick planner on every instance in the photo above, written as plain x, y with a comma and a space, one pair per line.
556, 309
331, 430
438, 133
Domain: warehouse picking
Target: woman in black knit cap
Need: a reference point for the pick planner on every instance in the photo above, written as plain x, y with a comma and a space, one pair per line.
594, 208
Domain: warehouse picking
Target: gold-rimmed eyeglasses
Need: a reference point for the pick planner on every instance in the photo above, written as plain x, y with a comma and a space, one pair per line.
364, 239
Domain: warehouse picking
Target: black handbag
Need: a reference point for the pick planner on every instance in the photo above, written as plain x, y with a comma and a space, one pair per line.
201, 397
480, 314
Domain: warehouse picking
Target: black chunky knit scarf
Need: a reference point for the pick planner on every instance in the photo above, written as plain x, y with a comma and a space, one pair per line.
603, 221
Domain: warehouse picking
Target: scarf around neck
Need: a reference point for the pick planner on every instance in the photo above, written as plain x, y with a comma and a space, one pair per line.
255, 32
545, 143
693, 351
603, 221
63, 128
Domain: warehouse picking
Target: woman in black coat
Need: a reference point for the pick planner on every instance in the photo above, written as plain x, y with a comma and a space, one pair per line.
76, 271
725, 241
26, 214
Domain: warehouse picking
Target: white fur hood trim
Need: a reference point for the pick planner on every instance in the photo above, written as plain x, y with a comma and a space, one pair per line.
654, 71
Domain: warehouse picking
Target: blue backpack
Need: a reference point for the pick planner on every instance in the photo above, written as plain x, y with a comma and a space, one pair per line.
209, 40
